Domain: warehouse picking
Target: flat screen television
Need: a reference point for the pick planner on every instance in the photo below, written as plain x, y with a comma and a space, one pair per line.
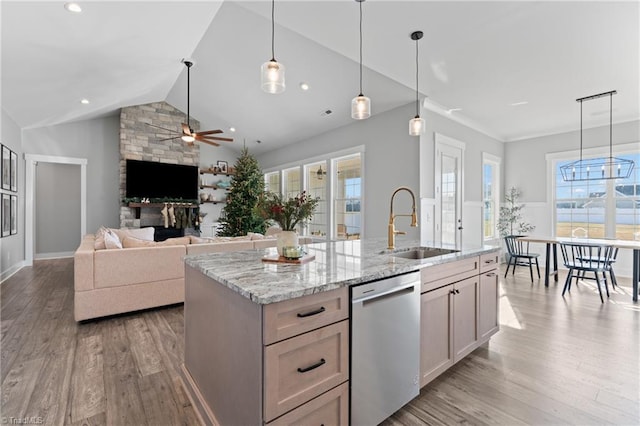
149, 179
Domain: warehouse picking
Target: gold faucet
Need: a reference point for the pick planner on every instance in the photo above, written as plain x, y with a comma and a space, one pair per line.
392, 217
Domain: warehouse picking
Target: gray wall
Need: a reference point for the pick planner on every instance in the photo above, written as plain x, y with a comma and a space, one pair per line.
57, 216
392, 158
526, 165
12, 247
98, 141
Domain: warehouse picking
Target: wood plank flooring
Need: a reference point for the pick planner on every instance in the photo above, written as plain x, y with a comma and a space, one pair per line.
555, 360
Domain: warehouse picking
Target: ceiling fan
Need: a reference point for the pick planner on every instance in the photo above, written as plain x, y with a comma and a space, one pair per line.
187, 134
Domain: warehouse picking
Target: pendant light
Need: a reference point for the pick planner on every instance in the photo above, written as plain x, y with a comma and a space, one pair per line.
598, 168
416, 124
272, 72
360, 105
188, 137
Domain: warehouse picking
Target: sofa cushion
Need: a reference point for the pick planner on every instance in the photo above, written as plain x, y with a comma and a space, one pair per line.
114, 268
233, 245
131, 242
199, 240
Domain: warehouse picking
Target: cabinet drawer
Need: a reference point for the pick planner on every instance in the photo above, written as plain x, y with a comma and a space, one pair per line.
330, 408
488, 262
303, 367
447, 273
296, 316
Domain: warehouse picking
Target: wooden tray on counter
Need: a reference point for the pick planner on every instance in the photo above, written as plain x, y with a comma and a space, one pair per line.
275, 258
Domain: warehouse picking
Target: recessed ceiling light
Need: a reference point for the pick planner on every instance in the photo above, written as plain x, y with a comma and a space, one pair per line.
304, 86
519, 103
84, 101
232, 129
73, 7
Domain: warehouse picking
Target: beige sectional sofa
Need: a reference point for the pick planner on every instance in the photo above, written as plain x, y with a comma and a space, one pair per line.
109, 282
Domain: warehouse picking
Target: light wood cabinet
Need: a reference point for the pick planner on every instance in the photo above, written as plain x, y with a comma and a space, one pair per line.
330, 408
488, 315
458, 312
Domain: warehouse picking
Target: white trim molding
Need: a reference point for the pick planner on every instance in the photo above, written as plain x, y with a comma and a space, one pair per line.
12, 270
29, 208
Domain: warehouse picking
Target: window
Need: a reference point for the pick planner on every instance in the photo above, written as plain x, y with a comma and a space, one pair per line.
272, 182
316, 186
291, 178
490, 195
607, 208
348, 197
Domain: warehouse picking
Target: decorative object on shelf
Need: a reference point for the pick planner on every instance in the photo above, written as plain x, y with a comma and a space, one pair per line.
510, 221
203, 197
225, 184
287, 214
247, 184
187, 134
602, 167
360, 105
222, 166
272, 72
6, 167
416, 124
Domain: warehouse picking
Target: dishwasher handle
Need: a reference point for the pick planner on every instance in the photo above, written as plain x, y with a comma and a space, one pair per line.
395, 291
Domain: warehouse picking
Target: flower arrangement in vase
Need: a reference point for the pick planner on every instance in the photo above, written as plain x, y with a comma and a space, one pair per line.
287, 213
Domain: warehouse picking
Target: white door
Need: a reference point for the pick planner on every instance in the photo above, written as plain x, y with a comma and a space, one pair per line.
448, 191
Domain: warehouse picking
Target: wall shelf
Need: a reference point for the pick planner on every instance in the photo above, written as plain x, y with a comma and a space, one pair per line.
211, 172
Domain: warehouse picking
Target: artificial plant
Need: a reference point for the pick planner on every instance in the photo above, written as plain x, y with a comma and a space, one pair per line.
247, 184
510, 221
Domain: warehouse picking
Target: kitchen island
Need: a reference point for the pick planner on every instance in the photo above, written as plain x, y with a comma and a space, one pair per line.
270, 343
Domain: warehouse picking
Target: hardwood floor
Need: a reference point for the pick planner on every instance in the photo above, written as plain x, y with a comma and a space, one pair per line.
555, 360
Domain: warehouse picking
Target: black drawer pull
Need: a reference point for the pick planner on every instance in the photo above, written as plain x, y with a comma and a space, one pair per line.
312, 367
491, 274
312, 313
488, 261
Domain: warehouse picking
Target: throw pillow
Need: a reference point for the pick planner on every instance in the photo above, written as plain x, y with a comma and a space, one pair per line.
131, 242
145, 234
255, 236
199, 240
111, 240
99, 242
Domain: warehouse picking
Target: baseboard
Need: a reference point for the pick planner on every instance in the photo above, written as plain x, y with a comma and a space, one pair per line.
4, 275
58, 255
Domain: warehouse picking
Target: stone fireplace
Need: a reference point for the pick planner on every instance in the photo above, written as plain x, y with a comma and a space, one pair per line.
140, 141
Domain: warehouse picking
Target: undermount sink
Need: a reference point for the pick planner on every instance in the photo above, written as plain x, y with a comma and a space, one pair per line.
423, 252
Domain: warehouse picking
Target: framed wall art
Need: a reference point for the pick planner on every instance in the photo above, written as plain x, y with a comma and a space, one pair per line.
14, 215
6, 167
222, 165
6, 215
13, 179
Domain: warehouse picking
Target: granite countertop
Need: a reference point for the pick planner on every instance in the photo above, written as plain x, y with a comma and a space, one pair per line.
337, 264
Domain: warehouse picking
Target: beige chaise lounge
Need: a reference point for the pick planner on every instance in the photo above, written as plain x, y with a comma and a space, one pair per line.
109, 282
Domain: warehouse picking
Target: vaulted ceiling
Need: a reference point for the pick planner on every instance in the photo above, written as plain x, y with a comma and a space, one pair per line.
479, 57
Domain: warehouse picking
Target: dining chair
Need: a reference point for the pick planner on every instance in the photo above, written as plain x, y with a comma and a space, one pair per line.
519, 255
612, 275
581, 258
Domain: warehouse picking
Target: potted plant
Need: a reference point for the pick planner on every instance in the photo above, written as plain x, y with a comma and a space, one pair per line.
510, 221
288, 214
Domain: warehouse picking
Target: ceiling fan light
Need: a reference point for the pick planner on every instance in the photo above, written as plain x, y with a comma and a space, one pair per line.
273, 77
416, 126
188, 138
360, 107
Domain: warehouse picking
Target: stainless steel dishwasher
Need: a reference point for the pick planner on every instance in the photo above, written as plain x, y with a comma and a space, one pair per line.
385, 347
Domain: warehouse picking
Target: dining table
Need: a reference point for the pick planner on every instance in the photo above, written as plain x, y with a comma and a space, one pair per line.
552, 245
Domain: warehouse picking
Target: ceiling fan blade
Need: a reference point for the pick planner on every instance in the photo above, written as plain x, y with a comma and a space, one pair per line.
163, 128
168, 139
185, 129
209, 132
208, 142
214, 138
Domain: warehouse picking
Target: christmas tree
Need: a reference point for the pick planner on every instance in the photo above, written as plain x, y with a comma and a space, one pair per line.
247, 184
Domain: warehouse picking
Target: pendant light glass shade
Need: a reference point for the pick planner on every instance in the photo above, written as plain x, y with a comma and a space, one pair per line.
272, 72
360, 105
273, 77
597, 168
416, 124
